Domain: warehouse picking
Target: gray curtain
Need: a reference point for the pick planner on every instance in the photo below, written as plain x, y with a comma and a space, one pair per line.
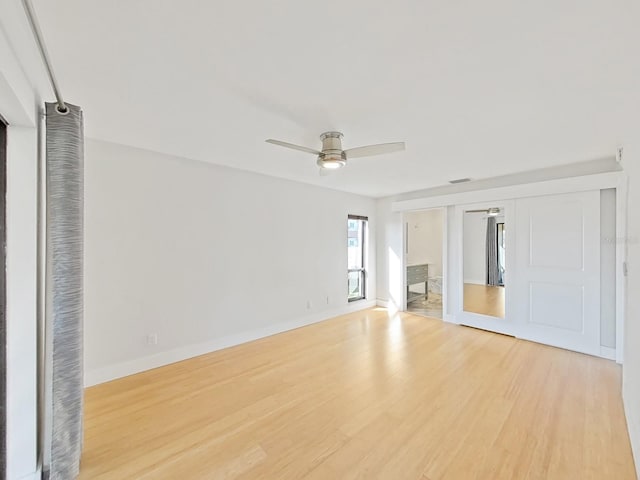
3, 300
65, 193
493, 272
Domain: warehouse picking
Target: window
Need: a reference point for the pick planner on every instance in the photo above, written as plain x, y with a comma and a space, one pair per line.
356, 253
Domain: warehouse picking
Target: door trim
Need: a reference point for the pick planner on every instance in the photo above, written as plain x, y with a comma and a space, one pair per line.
550, 187
621, 261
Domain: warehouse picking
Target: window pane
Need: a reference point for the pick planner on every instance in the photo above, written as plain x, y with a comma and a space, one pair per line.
354, 244
356, 285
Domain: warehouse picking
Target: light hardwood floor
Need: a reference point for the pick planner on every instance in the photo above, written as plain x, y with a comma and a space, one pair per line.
484, 299
365, 396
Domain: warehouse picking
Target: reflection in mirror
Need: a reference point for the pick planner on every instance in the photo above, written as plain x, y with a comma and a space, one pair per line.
484, 264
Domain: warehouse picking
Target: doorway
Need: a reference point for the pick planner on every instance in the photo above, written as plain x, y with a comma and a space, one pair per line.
424, 262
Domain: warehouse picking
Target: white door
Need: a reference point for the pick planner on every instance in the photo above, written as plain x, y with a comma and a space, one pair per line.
558, 270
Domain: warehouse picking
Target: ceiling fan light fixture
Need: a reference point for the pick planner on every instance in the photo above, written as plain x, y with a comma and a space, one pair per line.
332, 161
332, 164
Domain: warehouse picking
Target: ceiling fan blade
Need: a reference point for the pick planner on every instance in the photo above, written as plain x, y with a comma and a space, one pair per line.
294, 147
370, 150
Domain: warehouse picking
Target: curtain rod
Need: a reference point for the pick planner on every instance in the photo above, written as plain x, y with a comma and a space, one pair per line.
37, 33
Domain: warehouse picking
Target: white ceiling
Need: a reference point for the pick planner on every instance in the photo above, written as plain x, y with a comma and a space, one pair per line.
476, 89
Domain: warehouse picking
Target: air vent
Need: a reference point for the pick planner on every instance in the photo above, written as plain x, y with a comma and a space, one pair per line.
460, 180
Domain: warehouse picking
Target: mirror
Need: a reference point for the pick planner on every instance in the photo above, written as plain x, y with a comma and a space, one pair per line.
484, 261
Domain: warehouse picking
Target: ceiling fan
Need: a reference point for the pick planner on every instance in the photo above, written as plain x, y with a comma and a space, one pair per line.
332, 156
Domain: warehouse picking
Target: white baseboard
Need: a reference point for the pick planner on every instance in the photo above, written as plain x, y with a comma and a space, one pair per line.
388, 304
608, 352
633, 426
137, 365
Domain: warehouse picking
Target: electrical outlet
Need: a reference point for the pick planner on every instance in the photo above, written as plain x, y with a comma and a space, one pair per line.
327, 299
152, 339
309, 305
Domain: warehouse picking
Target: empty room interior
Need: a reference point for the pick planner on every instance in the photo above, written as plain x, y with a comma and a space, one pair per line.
350, 240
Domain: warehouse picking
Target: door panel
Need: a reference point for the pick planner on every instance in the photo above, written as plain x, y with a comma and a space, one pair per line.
558, 270
565, 221
556, 305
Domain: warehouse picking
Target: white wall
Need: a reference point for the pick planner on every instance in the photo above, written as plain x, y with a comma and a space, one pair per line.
390, 283
21, 302
18, 105
425, 239
631, 367
204, 256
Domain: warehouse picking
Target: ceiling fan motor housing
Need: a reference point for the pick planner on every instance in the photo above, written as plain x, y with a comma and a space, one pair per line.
332, 155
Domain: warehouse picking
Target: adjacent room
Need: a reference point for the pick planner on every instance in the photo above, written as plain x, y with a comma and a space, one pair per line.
356, 240
423, 255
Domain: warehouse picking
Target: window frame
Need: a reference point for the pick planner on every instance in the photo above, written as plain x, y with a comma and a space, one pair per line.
364, 222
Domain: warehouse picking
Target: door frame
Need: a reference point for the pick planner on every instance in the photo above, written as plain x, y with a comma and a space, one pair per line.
617, 180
